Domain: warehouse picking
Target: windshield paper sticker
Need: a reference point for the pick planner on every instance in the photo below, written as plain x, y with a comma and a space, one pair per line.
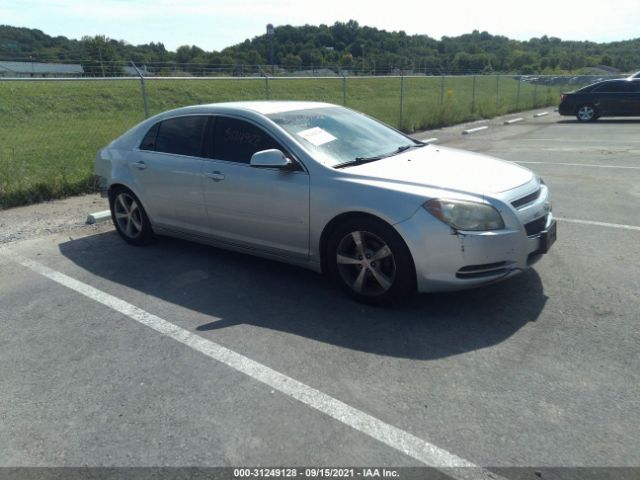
316, 136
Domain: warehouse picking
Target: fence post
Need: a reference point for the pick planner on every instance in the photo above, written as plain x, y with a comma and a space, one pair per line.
144, 90
267, 93
497, 90
441, 89
101, 64
401, 100
344, 89
535, 93
518, 94
473, 96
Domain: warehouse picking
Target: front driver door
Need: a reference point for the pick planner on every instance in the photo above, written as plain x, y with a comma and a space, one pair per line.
259, 208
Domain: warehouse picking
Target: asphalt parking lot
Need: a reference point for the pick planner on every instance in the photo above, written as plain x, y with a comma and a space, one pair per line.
179, 354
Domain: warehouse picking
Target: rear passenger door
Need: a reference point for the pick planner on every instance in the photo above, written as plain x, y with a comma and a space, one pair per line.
167, 169
635, 98
616, 98
266, 209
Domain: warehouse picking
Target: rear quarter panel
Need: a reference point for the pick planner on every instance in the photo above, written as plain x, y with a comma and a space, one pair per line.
112, 164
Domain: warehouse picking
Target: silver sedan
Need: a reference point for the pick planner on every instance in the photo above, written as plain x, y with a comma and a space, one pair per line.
329, 189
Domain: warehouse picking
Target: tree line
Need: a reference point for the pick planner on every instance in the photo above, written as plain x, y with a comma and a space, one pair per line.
343, 45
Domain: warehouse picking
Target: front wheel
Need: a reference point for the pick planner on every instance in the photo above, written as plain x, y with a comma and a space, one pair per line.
586, 113
369, 260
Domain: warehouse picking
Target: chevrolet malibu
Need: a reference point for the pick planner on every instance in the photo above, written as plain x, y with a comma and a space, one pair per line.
329, 189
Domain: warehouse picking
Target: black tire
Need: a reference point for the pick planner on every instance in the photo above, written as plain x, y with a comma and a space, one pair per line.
129, 217
587, 113
370, 273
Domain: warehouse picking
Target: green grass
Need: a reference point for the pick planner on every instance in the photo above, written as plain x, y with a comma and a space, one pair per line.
50, 131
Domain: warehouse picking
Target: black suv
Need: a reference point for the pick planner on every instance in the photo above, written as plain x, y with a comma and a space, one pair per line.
610, 98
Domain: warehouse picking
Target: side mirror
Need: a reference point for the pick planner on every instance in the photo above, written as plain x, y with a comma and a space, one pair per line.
270, 159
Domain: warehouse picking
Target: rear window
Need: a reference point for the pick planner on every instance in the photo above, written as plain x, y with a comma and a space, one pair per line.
149, 140
181, 136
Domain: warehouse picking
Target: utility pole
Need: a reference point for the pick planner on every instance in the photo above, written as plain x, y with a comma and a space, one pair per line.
270, 34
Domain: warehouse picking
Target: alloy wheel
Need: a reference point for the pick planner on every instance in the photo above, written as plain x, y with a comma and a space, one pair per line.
366, 263
586, 113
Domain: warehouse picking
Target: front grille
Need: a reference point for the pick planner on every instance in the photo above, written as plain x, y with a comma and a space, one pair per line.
479, 271
528, 199
536, 226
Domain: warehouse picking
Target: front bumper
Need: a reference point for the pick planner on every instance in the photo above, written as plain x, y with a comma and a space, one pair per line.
446, 259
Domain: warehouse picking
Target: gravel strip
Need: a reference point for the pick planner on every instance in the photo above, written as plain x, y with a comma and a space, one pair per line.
46, 218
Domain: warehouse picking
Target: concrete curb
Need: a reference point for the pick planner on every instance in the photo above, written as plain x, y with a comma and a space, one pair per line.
474, 130
99, 217
513, 120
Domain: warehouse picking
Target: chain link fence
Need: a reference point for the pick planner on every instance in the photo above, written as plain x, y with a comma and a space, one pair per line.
51, 129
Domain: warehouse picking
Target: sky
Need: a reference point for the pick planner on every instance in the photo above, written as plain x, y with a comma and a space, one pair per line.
216, 24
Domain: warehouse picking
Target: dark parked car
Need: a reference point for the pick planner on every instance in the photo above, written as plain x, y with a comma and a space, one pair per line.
610, 98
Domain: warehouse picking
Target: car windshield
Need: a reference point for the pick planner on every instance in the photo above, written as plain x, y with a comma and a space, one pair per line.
339, 136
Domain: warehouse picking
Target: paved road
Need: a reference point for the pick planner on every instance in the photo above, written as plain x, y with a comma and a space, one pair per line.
542, 370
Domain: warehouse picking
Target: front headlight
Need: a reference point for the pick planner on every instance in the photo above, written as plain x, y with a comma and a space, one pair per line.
463, 215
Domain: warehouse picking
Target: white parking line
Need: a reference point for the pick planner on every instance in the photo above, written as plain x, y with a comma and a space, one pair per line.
599, 224
474, 130
394, 437
580, 165
513, 120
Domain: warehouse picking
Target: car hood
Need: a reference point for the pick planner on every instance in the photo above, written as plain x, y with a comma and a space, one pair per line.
446, 168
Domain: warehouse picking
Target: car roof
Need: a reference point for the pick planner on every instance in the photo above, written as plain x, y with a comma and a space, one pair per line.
623, 79
612, 80
263, 107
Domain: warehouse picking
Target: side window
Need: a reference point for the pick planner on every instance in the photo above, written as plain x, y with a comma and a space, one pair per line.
182, 136
149, 140
605, 88
615, 87
236, 140
626, 86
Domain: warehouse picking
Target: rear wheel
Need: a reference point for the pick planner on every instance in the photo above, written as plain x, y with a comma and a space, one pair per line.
586, 113
369, 260
129, 217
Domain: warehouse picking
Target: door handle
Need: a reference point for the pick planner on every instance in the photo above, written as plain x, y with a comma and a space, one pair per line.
140, 165
215, 176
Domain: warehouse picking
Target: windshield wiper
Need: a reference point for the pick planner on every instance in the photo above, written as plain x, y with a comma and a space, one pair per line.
361, 160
